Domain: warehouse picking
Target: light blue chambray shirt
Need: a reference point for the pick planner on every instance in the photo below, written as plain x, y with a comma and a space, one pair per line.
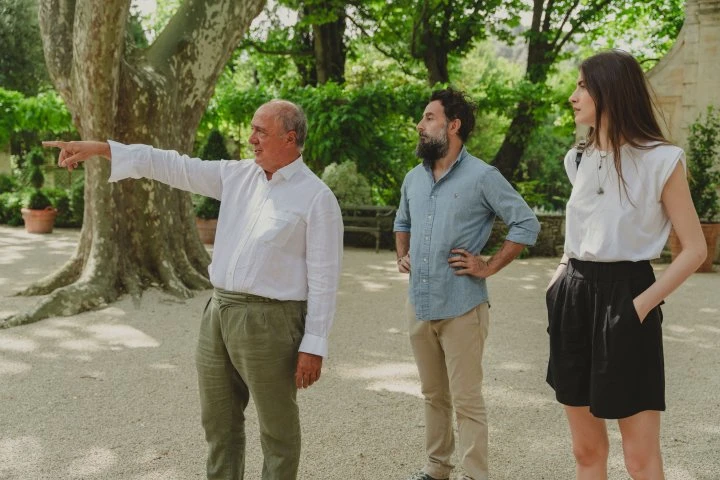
457, 211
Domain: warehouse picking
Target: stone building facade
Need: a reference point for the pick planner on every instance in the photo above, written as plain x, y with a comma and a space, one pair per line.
687, 79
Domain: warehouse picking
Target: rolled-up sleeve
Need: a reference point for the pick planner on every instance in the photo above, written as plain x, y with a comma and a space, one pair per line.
166, 166
324, 237
506, 202
402, 216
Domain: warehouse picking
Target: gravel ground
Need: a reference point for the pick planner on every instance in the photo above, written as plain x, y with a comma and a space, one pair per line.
112, 394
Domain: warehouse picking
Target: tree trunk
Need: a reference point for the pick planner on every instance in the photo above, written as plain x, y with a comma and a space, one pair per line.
436, 62
540, 59
136, 233
330, 50
507, 159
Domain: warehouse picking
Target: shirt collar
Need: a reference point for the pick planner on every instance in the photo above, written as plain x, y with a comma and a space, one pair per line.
290, 169
463, 153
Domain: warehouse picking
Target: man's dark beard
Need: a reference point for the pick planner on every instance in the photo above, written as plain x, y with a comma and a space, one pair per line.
432, 150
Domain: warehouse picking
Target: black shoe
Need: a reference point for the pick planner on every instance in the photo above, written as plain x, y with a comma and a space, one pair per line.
423, 476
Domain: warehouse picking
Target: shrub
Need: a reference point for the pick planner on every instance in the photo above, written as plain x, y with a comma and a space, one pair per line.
37, 200
206, 208
703, 163
7, 183
10, 205
214, 149
61, 201
349, 186
77, 201
36, 160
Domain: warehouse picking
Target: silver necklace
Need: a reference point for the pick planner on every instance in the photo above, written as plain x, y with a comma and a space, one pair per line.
600, 190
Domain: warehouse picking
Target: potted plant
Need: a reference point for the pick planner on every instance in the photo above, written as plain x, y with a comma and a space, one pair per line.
704, 178
207, 209
38, 213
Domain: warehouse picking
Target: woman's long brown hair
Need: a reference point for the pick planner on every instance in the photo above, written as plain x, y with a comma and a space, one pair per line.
617, 84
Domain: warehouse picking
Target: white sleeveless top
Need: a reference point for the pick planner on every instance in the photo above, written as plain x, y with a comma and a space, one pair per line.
615, 225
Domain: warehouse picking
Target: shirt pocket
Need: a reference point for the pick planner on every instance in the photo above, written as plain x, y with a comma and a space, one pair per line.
277, 228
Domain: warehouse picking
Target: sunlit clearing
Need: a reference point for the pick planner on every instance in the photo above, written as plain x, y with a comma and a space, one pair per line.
515, 366
14, 343
92, 463
123, 335
386, 370
511, 398
17, 455
374, 286
12, 368
163, 366
399, 386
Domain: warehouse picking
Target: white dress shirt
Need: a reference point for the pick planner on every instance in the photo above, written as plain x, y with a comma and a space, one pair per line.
279, 238
618, 225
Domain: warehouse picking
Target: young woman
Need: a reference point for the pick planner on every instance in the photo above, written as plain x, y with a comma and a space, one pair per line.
629, 187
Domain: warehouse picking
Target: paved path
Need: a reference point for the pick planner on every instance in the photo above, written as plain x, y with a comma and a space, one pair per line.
112, 394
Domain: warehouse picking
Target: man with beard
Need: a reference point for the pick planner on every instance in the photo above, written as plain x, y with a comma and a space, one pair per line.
446, 214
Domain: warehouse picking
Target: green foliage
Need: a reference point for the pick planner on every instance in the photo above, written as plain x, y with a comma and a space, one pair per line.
427, 30
37, 200
371, 125
35, 162
214, 149
349, 186
26, 119
22, 65
10, 208
646, 29
206, 207
703, 164
7, 183
77, 201
60, 199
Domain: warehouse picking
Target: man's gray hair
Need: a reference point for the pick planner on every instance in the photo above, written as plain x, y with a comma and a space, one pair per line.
293, 119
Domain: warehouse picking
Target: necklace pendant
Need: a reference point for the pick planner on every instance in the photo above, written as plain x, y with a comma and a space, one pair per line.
600, 191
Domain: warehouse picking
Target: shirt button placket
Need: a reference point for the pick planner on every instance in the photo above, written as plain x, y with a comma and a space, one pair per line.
425, 266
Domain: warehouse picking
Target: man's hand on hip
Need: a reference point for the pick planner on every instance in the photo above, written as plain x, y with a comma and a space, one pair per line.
465, 263
308, 369
404, 263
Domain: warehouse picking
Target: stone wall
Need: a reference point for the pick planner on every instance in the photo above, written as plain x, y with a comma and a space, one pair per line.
549, 244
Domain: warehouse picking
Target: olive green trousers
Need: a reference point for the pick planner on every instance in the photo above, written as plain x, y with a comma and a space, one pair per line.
248, 346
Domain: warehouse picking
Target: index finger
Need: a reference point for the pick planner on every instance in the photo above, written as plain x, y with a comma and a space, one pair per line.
54, 143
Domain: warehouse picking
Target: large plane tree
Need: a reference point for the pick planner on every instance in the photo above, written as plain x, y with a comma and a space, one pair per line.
136, 233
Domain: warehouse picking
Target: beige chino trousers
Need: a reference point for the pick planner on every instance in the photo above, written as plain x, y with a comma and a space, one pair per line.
448, 354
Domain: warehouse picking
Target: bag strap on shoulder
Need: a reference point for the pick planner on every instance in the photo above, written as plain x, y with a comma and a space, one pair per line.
580, 148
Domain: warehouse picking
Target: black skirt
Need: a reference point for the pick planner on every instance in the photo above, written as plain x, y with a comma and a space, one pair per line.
601, 355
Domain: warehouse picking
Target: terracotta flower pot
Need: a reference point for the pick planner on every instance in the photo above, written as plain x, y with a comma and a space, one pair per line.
39, 221
206, 230
711, 231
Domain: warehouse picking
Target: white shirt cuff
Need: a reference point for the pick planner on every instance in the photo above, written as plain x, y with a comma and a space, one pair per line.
314, 344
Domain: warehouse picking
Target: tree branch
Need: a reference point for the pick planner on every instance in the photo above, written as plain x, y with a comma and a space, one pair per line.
56, 19
99, 42
584, 17
377, 47
258, 46
548, 15
560, 28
